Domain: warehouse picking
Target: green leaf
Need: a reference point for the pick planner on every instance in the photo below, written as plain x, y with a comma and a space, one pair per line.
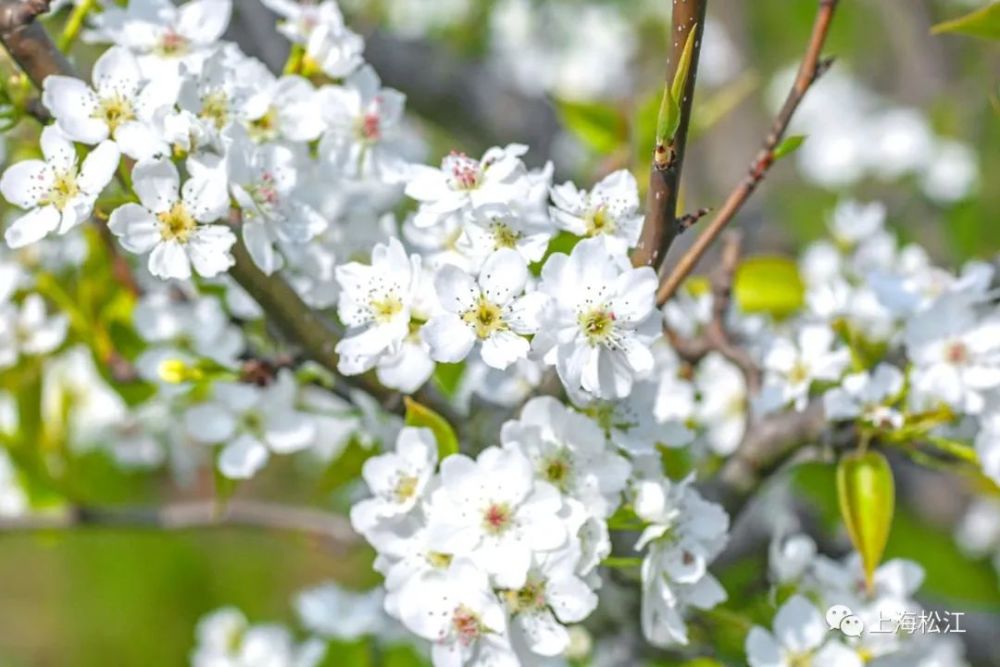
983, 22
769, 285
668, 119
423, 417
867, 497
683, 67
447, 377
788, 146
601, 127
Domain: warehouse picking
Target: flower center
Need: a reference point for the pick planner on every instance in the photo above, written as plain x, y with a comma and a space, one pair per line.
557, 470
464, 171
466, 624
264, 193
438, 560
265, 128
957, 353
485, 317
406, 488
172, 44
370, 127
600, 222
176, 224
64, 189
799, 373
497, 518
504, 236
383, 310
529, 598
114, 110
215, 109
597, 325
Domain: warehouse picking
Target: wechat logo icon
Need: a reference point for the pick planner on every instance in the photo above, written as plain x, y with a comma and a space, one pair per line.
840, 617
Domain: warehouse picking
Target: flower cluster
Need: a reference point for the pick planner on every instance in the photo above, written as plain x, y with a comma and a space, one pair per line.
492, 558
210, 168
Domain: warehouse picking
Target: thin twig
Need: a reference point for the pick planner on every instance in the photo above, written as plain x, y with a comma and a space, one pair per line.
332, 529
660, 227
688, 220
810, 69
716, 336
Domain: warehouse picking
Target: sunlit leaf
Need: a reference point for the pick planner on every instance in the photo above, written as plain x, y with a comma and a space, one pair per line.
983, 22
788, 146
423, 417
769, 285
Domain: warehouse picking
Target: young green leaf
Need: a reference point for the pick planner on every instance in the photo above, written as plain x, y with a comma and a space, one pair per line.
866, 494
683, 67
769, 285
788, 146
423, 417
669, 118
983, 22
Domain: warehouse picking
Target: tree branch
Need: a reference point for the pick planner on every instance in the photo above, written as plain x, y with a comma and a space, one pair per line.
332, 529
661, 226
716, 335
767, 444
33, 49
810, 69
27, 42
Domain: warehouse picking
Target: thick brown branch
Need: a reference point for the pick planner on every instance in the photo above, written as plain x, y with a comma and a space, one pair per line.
768, 443
332, 529
27, 41
810, 69
661, 227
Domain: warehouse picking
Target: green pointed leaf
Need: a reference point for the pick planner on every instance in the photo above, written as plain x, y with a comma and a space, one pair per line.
983, 22
788, 146
668, 119
683, 66
769, 285
866, 494
423, 417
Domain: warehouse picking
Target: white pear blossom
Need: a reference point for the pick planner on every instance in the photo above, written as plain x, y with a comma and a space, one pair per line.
398, 479
375, 304
163, 35
457, 611
320, 27
120, 106
610, 209
791, 367
493, 228
568, 451
599, 321
464, 184
685, 533
29, 330
251, 422
722, 408
285, 108
362, 120
226, 638
867, 397
492, 311
552, 596
171, 223
57, 192
955, 353
492, 510
801, 636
